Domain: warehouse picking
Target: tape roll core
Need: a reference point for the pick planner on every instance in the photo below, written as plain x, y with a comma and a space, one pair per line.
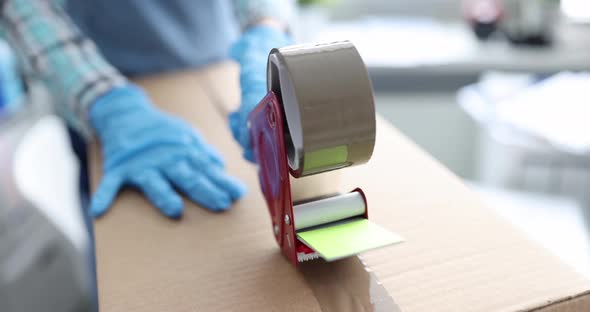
328, 210
328, 103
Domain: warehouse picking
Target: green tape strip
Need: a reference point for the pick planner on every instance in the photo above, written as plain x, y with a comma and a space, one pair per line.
347, 239
327, 156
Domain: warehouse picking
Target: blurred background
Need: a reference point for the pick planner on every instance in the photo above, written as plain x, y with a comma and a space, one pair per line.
420, 54
497, 90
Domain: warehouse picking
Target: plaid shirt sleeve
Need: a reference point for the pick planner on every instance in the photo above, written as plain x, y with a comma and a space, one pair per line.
55, 50
249, 12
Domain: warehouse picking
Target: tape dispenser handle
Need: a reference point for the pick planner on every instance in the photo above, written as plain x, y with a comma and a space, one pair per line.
267, 135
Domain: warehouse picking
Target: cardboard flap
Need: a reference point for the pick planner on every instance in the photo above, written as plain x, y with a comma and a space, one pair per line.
458, 252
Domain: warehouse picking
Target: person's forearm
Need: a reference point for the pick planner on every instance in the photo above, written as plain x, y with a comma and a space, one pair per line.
275, 13
55, 50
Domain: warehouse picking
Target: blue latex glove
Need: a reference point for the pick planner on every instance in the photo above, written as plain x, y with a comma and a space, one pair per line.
154, 152
251, 52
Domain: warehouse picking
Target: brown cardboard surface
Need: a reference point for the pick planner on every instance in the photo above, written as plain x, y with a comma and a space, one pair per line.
347, 285
459, 255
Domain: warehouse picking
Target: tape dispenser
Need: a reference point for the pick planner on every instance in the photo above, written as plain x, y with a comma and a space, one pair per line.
318, 116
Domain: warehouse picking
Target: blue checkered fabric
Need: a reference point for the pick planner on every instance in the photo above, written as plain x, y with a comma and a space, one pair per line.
53, 49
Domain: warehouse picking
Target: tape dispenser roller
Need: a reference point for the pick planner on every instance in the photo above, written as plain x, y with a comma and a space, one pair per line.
318, 116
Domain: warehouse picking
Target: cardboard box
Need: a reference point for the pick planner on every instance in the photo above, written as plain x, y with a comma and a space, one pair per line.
459, 255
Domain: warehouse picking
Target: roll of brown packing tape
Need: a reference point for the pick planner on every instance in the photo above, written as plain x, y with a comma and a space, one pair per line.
328, 103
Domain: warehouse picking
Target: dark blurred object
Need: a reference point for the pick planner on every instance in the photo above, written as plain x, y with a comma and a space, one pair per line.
40, 267
313, 2
529, 22
484, 16
523, 22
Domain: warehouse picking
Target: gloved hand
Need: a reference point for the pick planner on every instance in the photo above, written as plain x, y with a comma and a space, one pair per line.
147, 149
251, 52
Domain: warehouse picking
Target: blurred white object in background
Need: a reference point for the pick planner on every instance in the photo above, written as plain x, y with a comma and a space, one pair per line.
309, 20
46, 172
403, 42
555, 109
45, 262
576, 10
479, 100
537, 136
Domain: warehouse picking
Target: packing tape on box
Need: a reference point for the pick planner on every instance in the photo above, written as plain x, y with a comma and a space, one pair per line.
328, 104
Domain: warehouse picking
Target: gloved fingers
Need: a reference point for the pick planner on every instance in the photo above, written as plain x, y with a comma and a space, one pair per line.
249, 155
158, 190
234, 124
237, 50
197, 186
239, 129
241, 133
214, 155
105, 193
234, 187
245, 139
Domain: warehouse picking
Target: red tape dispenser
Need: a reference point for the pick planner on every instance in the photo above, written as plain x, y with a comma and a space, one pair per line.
318, 115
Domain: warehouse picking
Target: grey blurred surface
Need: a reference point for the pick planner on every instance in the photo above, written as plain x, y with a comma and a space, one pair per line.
379, 22
444, 9
435, 122
44, 264
560, 224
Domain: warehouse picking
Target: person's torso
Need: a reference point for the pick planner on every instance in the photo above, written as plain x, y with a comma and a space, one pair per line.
149, 36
